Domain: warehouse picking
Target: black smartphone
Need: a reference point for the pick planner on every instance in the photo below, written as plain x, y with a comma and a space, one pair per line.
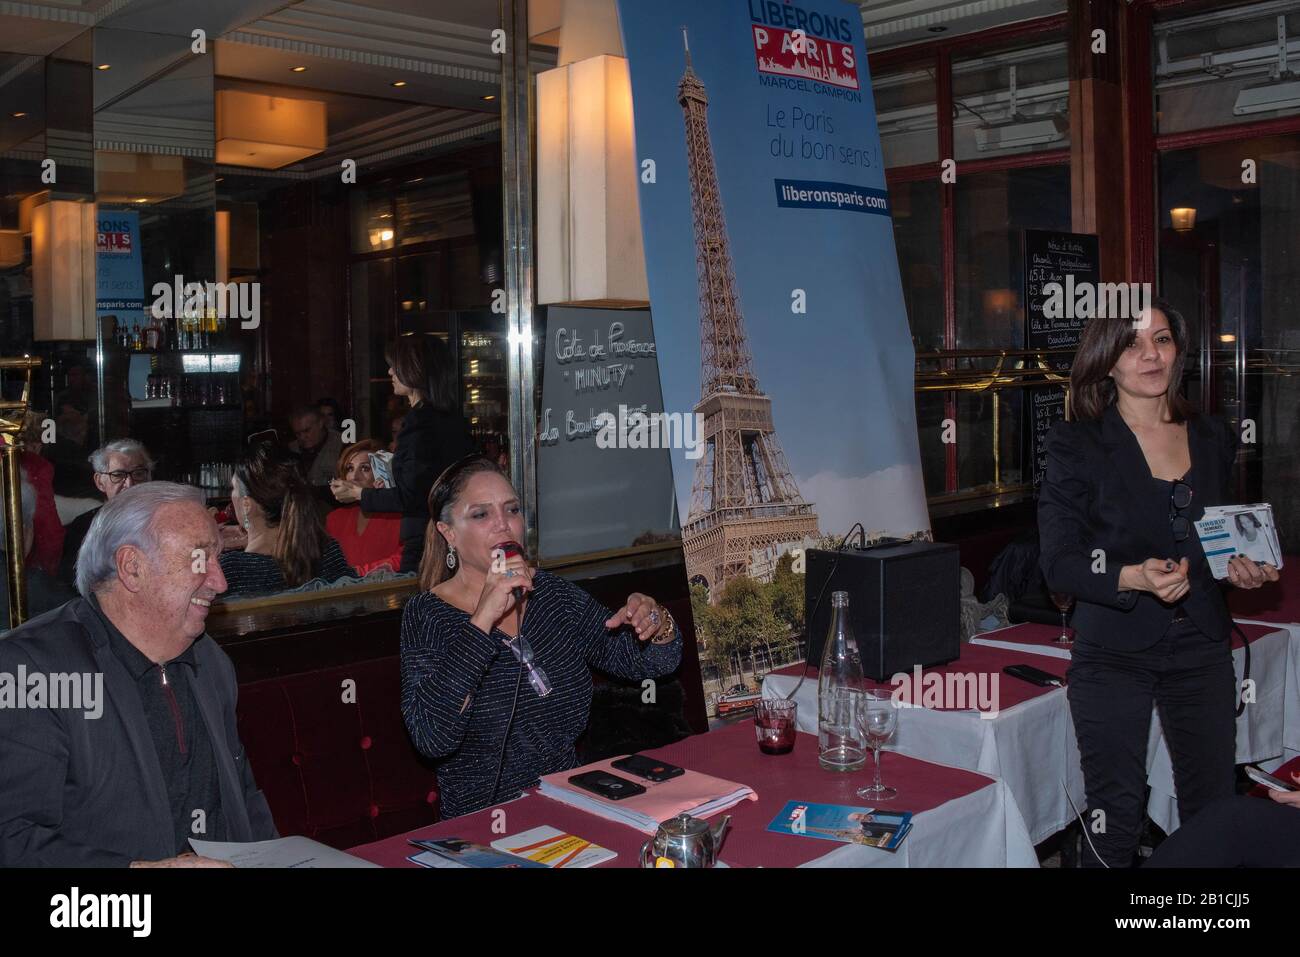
648, 768
1035, 676
607, 785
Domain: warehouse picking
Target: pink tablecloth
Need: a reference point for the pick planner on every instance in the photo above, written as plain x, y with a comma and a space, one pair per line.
731, 753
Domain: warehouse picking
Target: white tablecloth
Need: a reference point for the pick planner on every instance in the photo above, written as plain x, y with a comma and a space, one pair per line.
982, 829
1259, 727
1031, 747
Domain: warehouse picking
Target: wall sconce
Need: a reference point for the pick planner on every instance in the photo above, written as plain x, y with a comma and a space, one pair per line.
999, 302
589, 247
1183, 218
11, 248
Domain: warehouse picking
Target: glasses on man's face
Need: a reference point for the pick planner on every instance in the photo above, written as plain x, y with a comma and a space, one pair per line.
1180, 496
137, 476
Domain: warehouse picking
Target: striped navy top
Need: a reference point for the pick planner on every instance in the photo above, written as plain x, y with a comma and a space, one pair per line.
447, 660
251, 573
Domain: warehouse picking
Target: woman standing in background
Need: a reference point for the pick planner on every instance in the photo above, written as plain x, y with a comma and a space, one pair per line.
433, 436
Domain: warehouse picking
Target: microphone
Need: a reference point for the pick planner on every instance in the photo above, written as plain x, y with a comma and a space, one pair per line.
510, 550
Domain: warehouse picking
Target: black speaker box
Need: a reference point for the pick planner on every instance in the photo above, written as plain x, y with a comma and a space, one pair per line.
904, 604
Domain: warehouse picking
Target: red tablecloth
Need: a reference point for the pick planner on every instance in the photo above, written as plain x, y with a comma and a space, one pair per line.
731, 753
976, 660
981, 659
1036, 634
1275, 601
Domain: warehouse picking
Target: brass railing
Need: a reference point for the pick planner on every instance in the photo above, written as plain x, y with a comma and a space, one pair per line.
1011, 369
13, 415
1030, 369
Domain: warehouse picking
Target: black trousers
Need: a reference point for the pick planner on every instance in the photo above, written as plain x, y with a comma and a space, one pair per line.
1189, 678
1237, 831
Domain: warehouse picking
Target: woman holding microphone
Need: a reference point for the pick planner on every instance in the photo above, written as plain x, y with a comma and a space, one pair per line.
496, 655
1126, 481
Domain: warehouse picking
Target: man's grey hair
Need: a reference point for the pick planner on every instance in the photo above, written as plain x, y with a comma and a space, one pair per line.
29, 511
128, 518
128, 447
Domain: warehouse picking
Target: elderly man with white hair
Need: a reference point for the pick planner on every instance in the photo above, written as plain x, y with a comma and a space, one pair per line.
131, 778
118, 466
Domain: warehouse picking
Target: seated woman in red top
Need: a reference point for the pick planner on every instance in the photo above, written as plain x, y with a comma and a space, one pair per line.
368, 541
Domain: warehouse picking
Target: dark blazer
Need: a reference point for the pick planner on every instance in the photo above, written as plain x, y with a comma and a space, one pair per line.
1099, 494
429, 441
77, 791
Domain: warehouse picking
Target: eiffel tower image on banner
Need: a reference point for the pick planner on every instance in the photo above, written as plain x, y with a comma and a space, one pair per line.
743, 496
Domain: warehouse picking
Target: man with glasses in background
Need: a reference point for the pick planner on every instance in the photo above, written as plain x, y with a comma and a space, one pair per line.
119, 465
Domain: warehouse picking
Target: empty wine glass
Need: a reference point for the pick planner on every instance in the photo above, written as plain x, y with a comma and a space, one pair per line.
1063, 603
877, 719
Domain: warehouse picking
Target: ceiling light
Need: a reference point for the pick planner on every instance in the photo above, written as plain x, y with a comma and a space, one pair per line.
104, 66
1227, 337
269, 132
297, 69
489, 97
19, 115
398, 83
937, 29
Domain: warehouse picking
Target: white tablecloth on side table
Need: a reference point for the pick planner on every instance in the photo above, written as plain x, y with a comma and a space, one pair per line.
1029, 747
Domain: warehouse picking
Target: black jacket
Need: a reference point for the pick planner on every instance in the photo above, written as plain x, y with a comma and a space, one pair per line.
80, 791
1099, 494
429, 441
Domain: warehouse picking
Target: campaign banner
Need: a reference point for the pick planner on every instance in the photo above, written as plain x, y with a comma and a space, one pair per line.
119, 269
774, 283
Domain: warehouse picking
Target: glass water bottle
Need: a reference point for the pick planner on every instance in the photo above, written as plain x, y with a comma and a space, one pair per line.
839, 692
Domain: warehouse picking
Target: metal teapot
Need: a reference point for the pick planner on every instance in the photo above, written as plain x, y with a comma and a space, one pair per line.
684, 841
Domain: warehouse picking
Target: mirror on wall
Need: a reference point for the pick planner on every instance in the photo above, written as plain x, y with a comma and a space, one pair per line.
154, 142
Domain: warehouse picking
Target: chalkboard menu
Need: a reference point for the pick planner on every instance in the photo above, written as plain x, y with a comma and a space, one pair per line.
1068, 260
592, 497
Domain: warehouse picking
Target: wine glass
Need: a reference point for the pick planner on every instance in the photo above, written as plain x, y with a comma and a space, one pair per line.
1063, 603
877, 719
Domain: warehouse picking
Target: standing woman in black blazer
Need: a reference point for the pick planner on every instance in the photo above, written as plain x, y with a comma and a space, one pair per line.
1126, 480
433, 436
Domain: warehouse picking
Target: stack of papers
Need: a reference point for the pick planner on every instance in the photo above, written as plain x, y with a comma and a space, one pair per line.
698, 795
289, 852
1228, 530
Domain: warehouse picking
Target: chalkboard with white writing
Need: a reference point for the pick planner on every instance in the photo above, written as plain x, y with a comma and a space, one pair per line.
1068, 260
